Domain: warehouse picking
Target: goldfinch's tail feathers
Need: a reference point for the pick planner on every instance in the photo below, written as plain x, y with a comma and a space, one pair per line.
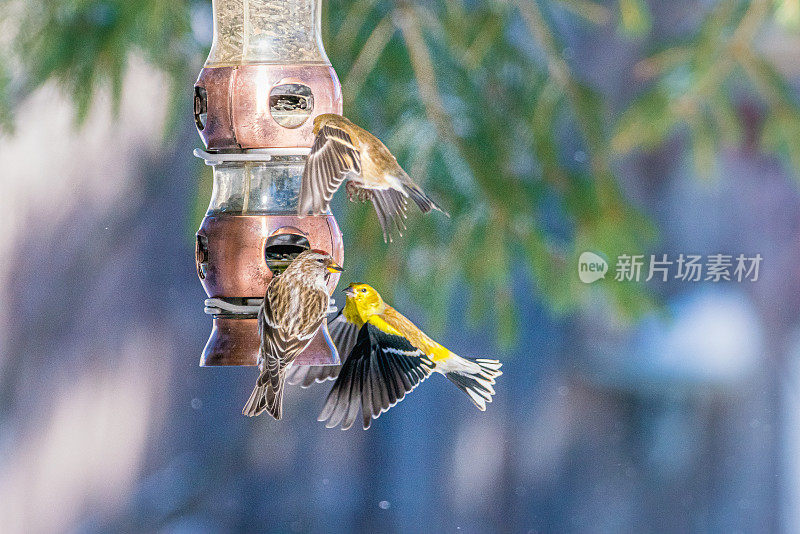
474, 377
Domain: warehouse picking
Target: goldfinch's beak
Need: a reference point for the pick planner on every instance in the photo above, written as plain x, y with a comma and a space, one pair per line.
334, 267
349, 291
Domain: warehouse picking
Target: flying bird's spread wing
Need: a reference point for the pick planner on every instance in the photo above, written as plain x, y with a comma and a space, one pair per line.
343, 334
308, 375
333, 157
377, 374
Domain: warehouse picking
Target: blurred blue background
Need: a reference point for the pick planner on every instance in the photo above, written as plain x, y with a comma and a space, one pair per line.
624, 407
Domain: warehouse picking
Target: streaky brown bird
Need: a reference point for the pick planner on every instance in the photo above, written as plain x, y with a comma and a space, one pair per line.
343, 151
294, 307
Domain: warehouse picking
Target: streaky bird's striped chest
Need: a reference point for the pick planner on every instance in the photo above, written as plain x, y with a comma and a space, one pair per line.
297, 307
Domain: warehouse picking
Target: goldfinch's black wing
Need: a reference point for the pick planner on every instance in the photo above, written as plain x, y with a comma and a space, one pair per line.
391, 207
333, 158
307, 375
377, 374
343, 334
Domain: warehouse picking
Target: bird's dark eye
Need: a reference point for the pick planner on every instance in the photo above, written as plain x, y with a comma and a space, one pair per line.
320, 260
363, 289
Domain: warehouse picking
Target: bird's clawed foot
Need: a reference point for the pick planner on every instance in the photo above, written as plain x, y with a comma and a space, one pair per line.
352, 190
356, 193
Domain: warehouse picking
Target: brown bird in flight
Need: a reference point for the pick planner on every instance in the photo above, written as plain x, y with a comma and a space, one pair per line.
343, 151
294, 307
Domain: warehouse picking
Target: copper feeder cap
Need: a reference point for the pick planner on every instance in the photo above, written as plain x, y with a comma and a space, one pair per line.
263, 106
235, 341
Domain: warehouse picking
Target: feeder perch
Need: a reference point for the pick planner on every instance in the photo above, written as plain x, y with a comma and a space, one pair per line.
266, 78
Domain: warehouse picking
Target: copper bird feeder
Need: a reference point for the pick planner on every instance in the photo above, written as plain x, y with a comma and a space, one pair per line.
266, 78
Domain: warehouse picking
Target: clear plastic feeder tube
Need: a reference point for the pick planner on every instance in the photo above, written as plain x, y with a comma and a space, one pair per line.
250, 32
257, 187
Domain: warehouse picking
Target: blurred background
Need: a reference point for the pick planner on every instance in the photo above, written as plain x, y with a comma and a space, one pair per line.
546, 128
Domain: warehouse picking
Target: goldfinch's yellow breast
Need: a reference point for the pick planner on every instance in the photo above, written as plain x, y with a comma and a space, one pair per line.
362, 303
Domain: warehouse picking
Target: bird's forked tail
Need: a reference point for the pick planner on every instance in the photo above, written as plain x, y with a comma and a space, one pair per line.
264, 397
422, 200
474, 377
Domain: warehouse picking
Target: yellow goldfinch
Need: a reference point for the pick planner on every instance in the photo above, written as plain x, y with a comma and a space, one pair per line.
343, 151
294, 307
389, 357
